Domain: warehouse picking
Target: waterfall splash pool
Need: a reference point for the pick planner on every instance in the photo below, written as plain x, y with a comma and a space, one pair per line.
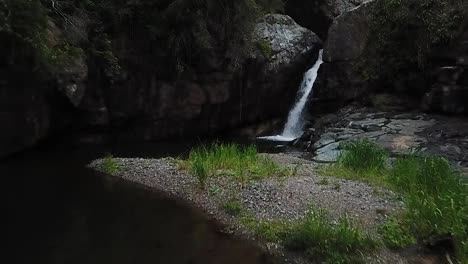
295, 123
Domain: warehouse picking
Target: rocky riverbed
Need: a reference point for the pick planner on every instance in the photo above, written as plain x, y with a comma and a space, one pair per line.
398, 132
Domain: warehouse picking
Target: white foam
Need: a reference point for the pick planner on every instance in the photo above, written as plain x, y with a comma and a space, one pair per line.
295, 123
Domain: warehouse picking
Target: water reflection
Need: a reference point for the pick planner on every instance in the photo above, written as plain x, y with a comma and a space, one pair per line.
59, 211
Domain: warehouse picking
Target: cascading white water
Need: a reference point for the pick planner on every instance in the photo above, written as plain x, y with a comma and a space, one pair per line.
295, 123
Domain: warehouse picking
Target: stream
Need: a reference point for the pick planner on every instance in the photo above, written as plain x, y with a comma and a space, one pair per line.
59, 211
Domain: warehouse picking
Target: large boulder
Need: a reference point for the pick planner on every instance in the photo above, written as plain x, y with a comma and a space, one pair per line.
318, 15
351, 68
288, 41
449, 92
340, 78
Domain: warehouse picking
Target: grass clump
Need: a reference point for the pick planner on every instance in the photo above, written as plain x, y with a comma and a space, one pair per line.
360, 160
110, 165
199, 167
436, 199
239, 162
396, 235
233, 207
322, 240
363, 155
272, 231
318, 237
436, 196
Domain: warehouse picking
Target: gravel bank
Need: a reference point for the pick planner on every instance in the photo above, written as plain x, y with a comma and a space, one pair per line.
270, 199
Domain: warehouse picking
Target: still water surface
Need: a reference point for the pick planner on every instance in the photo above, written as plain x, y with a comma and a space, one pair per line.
58, 211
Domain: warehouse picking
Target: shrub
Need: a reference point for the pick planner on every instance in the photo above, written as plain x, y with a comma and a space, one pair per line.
23, 30
194, 31
403, 33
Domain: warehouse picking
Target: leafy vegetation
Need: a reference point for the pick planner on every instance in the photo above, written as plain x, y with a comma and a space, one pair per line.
318, 237
186, 34
22, 27
183, 34
110, 165
436, 196
238, 162
404, 33
396, 235
265, 48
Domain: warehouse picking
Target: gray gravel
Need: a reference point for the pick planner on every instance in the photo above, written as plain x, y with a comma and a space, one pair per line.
270, 199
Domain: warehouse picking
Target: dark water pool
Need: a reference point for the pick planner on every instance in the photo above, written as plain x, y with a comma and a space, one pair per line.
58, 211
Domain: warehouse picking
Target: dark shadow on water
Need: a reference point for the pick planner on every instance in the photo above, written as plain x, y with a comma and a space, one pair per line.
58, 211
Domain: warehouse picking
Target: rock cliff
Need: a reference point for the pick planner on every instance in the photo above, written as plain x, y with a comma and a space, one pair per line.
90, 93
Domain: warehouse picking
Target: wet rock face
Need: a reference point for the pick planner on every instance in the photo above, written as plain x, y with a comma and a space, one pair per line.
24, 118
139, 105
449, 93
217, 99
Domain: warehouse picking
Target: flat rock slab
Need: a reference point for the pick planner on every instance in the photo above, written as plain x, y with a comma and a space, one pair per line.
398, 133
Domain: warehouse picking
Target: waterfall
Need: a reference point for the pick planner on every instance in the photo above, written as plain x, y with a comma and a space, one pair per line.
295, 123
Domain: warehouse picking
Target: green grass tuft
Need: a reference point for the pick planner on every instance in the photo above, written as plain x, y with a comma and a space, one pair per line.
234, 207
396, 235
360, 160
318, 236
239, 162
322, 240
436, 196
110, 165
199, 168
363, 155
